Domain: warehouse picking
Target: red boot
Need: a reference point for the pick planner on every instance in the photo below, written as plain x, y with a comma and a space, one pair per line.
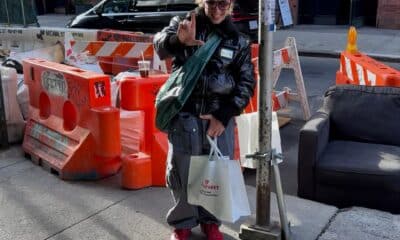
211, 231
181, 234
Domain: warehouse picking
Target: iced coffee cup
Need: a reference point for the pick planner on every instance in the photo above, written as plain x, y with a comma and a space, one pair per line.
144, 68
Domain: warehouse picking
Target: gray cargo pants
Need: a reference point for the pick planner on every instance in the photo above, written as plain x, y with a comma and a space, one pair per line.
187, 136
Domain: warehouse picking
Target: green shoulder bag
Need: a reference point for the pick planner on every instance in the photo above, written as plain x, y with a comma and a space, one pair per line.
180, 84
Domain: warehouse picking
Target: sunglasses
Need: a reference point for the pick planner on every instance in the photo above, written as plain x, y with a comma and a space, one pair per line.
222, 5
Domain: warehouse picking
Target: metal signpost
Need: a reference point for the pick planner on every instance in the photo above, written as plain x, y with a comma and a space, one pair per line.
263, 229
3, 122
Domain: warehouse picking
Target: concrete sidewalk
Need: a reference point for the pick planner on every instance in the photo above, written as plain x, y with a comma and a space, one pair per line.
329, 41
35, 204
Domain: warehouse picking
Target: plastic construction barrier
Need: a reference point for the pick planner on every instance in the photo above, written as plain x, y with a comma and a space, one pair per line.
17, 39
136, 169
72, 130
8, 97
359, 69
138, 94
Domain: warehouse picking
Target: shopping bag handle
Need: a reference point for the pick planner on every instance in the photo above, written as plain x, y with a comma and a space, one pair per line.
214, 147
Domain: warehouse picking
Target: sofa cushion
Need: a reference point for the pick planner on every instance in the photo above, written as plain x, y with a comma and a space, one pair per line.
362, 165
364, 113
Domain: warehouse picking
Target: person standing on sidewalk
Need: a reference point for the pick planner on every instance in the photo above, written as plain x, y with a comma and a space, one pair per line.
222, 91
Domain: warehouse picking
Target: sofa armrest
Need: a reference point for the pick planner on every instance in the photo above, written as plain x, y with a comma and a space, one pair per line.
314, 137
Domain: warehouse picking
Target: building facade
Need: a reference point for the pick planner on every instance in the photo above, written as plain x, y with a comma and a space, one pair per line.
377, 13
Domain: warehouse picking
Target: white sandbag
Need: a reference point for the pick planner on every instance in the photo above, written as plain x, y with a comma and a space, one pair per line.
14, 119
23, 96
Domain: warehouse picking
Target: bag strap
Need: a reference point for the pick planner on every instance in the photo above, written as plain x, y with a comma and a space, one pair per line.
204, 53
214, 147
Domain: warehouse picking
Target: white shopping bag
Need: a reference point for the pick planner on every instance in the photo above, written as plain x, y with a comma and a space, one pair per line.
216, 183
247, 125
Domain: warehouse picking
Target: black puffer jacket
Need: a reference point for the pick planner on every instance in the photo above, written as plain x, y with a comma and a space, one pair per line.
227, 82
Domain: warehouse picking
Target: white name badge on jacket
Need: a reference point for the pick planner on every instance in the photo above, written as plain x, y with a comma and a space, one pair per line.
226, 53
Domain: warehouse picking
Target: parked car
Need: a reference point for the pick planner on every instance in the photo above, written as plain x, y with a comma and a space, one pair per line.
150, 16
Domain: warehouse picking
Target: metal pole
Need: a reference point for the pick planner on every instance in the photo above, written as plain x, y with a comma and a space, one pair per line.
280, 197
264, 135
260, 19
263, 229
8, 15
351, 13
23, 12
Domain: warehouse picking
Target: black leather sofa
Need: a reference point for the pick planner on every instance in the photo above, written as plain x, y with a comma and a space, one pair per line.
349, 151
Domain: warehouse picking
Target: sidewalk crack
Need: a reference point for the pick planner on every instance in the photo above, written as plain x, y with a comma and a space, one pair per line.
88, 217
12, 164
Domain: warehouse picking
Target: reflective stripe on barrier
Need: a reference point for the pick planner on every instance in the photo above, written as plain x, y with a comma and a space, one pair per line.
279, 100
115, 65
72, 130
115, 57
112, 49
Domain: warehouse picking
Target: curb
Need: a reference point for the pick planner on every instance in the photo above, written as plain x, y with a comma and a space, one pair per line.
335, 54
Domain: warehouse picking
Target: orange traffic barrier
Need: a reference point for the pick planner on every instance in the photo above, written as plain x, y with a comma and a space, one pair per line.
253, 103
135, 171
359, 69
115, 65
139, 94
115, 57
72, 130
254, 50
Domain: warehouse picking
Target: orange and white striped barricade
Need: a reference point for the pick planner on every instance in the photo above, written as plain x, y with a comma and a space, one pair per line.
359, 69
72, 130
286, 57
115, 57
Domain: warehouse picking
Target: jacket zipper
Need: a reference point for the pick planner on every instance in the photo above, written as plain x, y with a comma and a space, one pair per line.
205, 85
203, 95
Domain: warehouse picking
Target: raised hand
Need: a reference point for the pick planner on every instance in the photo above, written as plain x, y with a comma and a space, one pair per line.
187, 32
